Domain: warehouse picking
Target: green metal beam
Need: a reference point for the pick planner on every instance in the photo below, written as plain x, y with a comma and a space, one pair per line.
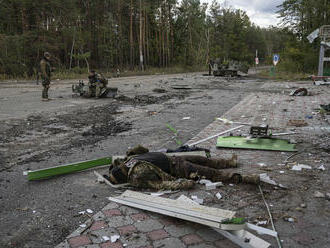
66, 169
271, 144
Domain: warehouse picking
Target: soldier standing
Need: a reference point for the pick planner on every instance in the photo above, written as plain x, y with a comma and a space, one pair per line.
45, 70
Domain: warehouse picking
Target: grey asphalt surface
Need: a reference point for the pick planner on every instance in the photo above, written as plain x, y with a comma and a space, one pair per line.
37, 134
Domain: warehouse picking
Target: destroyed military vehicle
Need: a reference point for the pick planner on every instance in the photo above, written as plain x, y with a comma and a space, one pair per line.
86, 90
227, 68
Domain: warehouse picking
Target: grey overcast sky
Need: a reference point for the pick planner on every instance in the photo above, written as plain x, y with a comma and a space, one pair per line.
261, 12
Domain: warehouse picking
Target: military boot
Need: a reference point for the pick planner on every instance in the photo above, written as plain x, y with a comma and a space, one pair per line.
233, 161
226, 163
251, 179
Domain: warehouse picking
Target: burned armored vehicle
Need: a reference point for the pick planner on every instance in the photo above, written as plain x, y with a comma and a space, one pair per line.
227, 68
96, 87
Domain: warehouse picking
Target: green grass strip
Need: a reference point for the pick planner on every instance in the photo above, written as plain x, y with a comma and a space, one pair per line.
67, 169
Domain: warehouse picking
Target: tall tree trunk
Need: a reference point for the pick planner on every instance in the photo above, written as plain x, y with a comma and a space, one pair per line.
131, 37
144, 37
72, 47
141, 38
119, 29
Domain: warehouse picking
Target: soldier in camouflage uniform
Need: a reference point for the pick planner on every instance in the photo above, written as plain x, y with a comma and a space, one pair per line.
158, 171
96, 83
45, 71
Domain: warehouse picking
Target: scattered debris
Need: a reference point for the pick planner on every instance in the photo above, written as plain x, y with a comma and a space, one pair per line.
105, 238
266, 179
204, 181
89, 211
216, 135
299, 92
102, 179
233, 229
318, 83
281, 134
270, 217
227, 122
318, 194
261, 230
218, 195
196, 199
259, 131
211, 186
114, 238
159, 193
325, 108
203, 215
299, 167
297, 123
290, 219
262, 223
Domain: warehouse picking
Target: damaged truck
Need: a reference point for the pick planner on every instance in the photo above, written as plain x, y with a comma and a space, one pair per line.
227, 68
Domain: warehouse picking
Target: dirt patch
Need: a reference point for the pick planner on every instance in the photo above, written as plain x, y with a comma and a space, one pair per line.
158, 90
39, 136
149, 99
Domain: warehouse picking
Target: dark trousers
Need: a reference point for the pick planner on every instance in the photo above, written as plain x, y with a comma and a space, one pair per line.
190, 166
45, 88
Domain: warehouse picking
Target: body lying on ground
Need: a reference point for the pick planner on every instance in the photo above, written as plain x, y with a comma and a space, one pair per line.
155, 170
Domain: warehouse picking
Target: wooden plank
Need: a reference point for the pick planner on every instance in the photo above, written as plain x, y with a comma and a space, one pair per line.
236, 240
254, 241
174, 209
262, 230
235, 237
216, 213
165, 212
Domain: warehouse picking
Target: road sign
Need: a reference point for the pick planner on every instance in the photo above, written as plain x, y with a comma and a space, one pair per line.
276, 58
257, 60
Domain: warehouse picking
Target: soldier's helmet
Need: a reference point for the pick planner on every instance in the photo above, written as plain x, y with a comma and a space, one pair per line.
47, 55
92, 74
117, 176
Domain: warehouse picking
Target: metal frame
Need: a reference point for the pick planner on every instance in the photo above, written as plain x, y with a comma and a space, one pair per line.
325, 45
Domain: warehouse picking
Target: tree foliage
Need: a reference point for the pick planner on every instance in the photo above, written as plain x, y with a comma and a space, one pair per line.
302, 17
111, 34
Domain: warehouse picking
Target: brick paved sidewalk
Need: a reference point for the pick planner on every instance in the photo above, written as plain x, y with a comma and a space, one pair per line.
139, 229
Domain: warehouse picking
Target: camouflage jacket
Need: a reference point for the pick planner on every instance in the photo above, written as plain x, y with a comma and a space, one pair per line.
143, 174
45, 69
98, 78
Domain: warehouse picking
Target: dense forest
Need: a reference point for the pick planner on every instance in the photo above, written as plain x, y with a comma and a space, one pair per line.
140, 34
